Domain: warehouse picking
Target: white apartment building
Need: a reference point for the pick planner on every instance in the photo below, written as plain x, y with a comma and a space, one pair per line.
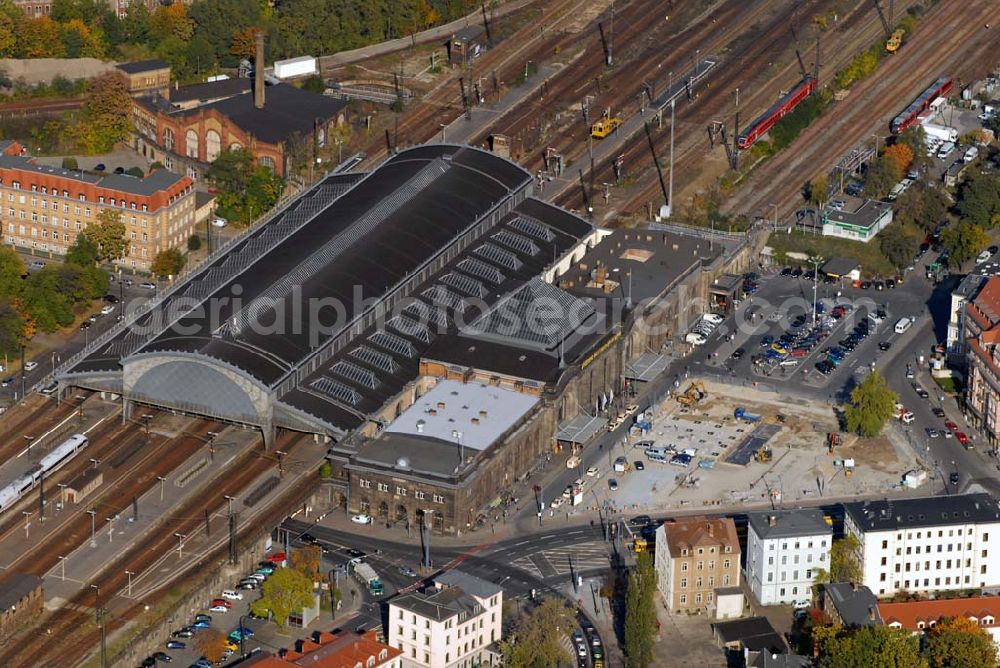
927, 544
452, 624
784, 550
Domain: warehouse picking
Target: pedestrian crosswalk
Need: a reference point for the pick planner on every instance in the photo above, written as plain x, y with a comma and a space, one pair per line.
561, 560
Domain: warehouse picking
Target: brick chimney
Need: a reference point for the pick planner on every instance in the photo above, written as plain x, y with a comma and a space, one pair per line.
258, 72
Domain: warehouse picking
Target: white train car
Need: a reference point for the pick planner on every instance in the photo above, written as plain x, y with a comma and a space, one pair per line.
53, 461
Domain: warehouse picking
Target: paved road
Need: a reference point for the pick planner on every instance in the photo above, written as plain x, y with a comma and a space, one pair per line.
431, 34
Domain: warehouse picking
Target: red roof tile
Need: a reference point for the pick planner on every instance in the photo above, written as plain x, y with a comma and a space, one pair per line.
909, 615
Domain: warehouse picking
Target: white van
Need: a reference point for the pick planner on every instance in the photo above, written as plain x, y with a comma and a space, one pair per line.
946, 149
970, 155
902, 325
656, 458
696, 339
656, 452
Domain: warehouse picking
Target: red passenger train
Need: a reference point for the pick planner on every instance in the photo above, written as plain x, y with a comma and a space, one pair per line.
766, 121
908, 117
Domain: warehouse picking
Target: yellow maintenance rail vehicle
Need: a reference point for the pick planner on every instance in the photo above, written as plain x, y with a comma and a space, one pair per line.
895, 41
605, 125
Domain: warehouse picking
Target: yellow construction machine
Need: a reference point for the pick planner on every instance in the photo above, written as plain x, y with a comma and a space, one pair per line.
895, 41
605, 125
693, 394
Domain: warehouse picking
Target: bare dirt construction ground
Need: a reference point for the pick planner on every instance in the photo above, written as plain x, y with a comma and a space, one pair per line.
800, 468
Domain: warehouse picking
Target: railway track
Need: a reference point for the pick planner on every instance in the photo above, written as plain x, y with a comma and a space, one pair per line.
872, 103
74, 623
443, 104
771, 56
159, 458
34, 421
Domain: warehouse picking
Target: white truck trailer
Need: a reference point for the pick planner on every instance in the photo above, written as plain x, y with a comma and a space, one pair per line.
295, 67
941, 132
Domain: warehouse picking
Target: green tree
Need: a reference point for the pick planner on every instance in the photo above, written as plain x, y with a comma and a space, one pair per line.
286, 591
12, 271
640, 613
882, 175
979, 197
168, 262
325, 470
108, 235
872, 403
899, 244
200, 57
537, 638
844, 564
874, 646
83, 252
922, 204
45, 301
245, 191
11, 328
194, 242
959, 643
69, 162
314, 84
818, 189
963, 241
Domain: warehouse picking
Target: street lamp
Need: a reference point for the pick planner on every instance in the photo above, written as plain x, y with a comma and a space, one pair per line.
129, 574
93, 527
444, 136
29, 440
161, 480
230, 500
27, 524
816, 261
281, 456
180, 545
211, 444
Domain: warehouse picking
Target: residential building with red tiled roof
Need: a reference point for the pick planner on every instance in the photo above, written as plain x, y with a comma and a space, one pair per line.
981, 333
919, 616
693, 558
336, 649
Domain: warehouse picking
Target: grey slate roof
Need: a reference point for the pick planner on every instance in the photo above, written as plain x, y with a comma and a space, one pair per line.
890, 515
287, 109
766, 659
789, 523
161, 179
839, 266
753, 633
16, 587
142, 66
855, 606
470, 584
439, 604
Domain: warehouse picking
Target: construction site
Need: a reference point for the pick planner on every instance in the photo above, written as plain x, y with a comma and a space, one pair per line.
566, 88
718, 445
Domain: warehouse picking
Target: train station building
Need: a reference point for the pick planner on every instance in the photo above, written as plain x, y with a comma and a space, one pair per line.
432, 323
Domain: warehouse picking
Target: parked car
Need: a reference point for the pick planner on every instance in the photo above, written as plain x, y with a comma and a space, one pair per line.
31, 366
407, 571
163, 656
613, 484
176, 644
361, 519
218, 608
185, 632
147, 285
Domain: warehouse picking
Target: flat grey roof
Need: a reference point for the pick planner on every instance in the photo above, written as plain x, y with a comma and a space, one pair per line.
789, 523
640, 263
754, 633
970, 285
480, 413
865, 215
890, 515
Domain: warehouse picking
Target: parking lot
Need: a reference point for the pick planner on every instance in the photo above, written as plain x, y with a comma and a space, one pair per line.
845, 341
